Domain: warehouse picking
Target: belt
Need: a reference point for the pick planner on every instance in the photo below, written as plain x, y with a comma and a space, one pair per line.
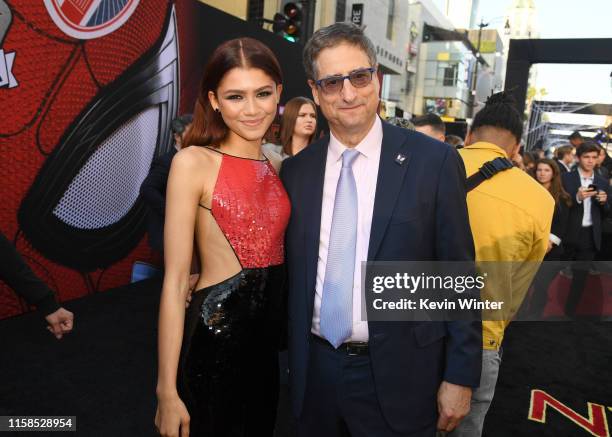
351, 348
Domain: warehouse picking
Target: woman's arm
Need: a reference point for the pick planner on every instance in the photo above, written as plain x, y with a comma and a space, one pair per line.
183, 194
182, 197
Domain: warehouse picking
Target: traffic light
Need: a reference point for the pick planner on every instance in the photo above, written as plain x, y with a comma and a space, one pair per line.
288, 24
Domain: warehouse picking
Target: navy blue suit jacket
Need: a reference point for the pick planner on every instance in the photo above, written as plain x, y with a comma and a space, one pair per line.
153, 192
420, 213
571, 183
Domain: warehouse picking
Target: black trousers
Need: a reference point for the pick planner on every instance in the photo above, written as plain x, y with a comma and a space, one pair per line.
582, 254
605, 254
341, 399
541, 283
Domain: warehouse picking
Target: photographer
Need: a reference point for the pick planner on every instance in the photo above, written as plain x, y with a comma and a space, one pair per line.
17, 274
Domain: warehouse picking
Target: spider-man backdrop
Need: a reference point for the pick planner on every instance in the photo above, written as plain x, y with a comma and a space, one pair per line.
87, 91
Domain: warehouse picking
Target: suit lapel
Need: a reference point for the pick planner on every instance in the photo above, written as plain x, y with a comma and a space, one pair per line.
394, 161
312, 204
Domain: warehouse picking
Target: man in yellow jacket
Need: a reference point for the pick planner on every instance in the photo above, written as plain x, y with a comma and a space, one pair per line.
510, 216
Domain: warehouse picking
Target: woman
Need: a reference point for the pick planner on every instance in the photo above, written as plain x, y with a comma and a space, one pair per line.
529, 162
547, 173
298, 126
224, 199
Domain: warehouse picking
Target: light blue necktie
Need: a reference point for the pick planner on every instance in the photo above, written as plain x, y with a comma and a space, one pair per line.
337, 299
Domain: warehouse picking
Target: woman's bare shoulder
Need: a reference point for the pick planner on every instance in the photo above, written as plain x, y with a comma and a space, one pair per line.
196, 159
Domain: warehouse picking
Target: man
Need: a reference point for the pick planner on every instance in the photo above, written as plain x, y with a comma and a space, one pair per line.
600, 168
18, 275
401, 122
153, 188
370, 191
589, 191
607, 161
510, 215
455, 141
564, 156
576, 139
430, 125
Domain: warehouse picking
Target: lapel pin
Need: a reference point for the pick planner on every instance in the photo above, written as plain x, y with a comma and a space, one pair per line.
400, 158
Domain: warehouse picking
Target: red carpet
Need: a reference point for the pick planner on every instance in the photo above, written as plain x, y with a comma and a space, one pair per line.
597, 302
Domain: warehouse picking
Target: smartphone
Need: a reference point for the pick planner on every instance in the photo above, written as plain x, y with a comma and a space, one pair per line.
592, 187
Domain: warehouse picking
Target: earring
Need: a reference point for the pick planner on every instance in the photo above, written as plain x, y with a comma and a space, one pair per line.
217, 110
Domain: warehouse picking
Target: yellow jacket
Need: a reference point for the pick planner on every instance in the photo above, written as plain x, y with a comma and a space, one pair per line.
510, 216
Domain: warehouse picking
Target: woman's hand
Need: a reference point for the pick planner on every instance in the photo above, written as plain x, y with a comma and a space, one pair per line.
171, 417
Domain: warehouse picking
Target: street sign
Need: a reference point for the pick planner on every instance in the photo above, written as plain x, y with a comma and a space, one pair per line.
357, 14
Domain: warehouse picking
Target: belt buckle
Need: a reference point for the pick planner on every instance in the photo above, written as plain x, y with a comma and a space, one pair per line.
354, 349
350, 350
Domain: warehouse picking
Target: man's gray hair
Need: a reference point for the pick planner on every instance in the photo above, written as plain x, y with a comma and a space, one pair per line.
332, 36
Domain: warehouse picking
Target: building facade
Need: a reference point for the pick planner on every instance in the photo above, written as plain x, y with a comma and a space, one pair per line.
523, 24
442, 67
419, 73
490, 77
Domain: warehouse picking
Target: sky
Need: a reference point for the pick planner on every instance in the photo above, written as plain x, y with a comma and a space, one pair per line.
566, 19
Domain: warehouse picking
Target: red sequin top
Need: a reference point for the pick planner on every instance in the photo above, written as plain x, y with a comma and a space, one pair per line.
252, 209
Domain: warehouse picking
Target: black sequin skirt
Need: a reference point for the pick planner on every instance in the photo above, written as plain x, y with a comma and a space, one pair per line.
228, 374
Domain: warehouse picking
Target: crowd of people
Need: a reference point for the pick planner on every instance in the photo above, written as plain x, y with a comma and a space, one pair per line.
263, 246
578, 177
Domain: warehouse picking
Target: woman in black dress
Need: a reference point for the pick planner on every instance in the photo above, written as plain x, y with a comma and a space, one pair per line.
218, 360
547, 173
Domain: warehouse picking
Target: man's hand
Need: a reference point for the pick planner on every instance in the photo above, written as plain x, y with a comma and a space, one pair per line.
193, 280
60, 322
453, 405
584, 193
550, 246
601, 197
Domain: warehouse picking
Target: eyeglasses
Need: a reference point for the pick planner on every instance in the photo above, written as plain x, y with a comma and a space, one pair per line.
358, 78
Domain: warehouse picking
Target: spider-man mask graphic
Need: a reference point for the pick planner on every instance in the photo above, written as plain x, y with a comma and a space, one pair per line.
85, 116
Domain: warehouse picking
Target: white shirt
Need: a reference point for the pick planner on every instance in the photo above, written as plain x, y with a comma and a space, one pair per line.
585, 182
554, 239
365, 170
567, 167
